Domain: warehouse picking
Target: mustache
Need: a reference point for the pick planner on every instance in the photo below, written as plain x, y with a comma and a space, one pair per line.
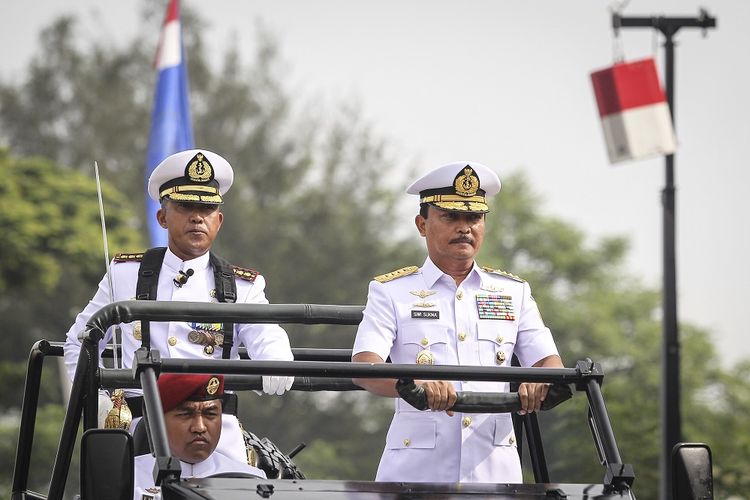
462, 239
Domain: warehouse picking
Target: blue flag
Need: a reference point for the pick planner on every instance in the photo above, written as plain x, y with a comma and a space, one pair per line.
171, 127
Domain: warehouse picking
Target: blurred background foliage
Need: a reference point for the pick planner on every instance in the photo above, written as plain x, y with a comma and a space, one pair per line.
316, 207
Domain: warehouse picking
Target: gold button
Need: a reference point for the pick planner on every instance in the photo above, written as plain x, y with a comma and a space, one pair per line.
407, 442
460, 294
137, 330
511, 440
462, 336
500, 338
466, 421
424, 341
172, 341
500, 357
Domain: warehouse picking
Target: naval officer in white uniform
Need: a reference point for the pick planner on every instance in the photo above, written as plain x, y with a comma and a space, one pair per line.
192, 406
190, 186
451, 311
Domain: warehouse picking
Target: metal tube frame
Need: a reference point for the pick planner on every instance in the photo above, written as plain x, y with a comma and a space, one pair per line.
587, 376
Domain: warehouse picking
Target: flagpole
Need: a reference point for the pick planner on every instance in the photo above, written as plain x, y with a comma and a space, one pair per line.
670, 401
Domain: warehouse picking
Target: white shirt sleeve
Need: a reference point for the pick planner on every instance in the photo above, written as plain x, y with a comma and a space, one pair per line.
263, 341
377, 331
72, 347
534, 340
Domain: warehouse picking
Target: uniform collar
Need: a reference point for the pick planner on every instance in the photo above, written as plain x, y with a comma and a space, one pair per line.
198, 469
177, 264
432, 273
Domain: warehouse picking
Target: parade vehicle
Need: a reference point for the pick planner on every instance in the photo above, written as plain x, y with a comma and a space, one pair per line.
106, 455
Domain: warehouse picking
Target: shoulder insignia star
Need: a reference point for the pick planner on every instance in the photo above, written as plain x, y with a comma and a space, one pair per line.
398, 273
503, 273
128, 257
245, 274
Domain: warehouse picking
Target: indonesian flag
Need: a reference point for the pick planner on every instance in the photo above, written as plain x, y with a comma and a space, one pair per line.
171, 126
634, 112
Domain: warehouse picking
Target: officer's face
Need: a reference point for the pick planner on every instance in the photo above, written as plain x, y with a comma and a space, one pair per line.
191, 227
451, 236
193, 429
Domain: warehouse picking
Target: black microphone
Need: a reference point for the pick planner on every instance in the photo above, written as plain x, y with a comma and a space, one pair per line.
182, 277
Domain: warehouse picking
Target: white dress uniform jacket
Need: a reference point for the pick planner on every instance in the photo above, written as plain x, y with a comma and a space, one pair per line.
482, 322
216, 463
263, 341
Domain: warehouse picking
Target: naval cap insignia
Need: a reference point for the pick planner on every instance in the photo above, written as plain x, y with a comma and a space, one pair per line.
466, 182
199, 169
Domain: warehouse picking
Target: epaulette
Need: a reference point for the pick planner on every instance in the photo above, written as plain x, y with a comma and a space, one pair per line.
503, 273
245, 274
398, 273
128, 257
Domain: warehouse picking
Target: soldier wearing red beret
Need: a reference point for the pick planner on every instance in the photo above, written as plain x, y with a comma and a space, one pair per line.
192, 407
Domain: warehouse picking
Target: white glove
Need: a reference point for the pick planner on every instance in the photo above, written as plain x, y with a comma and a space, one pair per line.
105, 405
277, 385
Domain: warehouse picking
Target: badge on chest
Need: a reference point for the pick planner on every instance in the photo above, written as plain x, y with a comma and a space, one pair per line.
495, 306
422, 304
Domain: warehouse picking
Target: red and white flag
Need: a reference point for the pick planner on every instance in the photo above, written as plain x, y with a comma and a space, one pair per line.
634, 111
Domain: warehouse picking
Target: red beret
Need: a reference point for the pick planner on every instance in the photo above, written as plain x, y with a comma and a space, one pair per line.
174, 388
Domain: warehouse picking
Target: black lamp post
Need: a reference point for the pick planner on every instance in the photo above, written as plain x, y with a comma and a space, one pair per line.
670, 401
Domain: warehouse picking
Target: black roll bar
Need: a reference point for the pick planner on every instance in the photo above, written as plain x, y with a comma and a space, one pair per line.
28, 415
587, 376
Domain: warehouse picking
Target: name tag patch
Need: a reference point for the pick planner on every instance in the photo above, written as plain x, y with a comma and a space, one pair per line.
425, 314
495, 306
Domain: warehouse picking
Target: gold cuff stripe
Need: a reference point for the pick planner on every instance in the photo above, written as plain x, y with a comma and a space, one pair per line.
451, 197
181, 189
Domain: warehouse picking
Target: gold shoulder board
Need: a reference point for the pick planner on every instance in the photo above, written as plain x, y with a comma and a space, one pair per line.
398, 273
128, 257
245, 274
503, 273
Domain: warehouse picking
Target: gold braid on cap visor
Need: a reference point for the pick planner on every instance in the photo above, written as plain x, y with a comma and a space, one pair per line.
463, 206
457, 203
440, 198
178, 193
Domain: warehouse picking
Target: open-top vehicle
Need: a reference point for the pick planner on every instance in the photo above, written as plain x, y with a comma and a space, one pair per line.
107, 454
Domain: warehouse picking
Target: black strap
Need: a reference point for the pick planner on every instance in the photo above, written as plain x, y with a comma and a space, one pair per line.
226, 291
148, 283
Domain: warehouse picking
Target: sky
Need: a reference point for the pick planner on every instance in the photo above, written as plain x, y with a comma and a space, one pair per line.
506, 83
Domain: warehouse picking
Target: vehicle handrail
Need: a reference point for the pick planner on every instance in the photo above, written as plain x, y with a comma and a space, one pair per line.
150, 310
28, 415
586, 376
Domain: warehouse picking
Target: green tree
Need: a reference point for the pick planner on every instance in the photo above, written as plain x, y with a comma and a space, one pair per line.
55, 252
49, 266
